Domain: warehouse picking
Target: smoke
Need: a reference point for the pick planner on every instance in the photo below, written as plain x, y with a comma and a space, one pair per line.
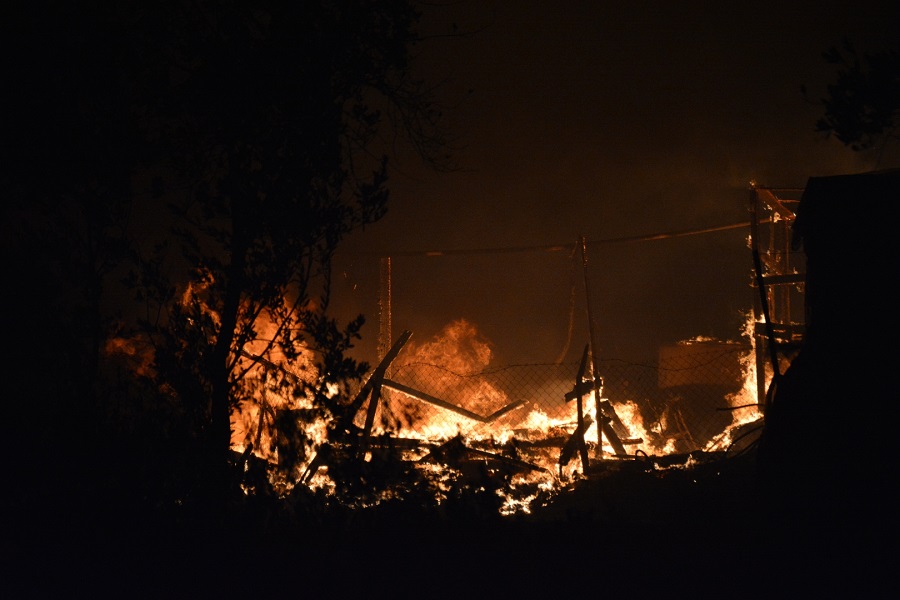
607, 121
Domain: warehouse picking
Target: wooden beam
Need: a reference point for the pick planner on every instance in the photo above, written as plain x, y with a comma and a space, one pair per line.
378, 374
575, 443
432, 400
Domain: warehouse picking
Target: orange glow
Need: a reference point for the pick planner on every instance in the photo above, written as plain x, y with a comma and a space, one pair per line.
451, 369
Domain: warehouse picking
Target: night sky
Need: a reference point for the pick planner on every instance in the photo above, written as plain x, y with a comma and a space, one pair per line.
607, 120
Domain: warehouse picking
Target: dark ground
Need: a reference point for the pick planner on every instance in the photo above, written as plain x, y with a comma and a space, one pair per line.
711, 530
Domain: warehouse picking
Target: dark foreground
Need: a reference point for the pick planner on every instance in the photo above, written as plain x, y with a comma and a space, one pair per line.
707, 531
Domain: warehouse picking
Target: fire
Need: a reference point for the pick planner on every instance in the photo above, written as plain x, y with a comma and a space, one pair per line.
744, 402
445, 414
448, 365
249, 419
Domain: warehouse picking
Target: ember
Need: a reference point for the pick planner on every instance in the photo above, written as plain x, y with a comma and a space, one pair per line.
445, 418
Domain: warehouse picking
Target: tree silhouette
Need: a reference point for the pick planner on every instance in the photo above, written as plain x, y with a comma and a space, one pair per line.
223, 150
265, 118
862, 107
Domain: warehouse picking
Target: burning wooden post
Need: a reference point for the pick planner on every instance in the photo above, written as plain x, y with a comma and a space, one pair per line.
602, 421
779, 277
373, 388
606, 416
576, 441
372, 391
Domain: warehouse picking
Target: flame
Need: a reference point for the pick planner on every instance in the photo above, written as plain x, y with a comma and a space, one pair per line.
744, 402
451, 365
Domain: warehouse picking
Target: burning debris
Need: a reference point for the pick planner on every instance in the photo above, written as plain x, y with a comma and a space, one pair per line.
444, 427
435, 418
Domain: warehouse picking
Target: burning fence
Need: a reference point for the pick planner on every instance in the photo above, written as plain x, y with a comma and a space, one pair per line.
438, 412
440, 415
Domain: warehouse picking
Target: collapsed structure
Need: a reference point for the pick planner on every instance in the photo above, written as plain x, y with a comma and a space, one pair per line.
817, 251
779, 268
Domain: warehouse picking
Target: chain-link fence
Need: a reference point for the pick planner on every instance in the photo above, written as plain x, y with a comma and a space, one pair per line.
661, 394
687, 401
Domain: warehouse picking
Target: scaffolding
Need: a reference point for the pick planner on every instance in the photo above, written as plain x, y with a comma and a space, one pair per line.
779, 282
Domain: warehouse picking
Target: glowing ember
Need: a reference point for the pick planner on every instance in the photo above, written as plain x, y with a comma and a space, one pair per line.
445, 414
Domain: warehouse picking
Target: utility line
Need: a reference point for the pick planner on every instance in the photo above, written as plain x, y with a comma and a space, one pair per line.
557, 247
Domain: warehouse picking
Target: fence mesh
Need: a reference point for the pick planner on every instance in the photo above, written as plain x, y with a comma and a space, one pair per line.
668, 368
687, 403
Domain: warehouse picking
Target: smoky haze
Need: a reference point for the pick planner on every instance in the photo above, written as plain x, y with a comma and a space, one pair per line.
609, 121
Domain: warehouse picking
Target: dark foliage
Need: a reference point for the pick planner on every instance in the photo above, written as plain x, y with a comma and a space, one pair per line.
177, 177
862, 106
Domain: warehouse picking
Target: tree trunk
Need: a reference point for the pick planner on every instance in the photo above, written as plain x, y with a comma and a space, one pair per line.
219, 439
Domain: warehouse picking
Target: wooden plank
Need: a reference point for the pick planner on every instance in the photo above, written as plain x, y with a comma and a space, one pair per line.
613, 438
497, 414
583, 388
420, 395
582, 426
574, 442
370, 414
378, 373
610, 413
432, 400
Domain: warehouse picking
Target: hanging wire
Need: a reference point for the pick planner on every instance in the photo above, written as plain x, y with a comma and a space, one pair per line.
573, 276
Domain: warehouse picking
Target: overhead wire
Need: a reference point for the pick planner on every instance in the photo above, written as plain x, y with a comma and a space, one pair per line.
553, 247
